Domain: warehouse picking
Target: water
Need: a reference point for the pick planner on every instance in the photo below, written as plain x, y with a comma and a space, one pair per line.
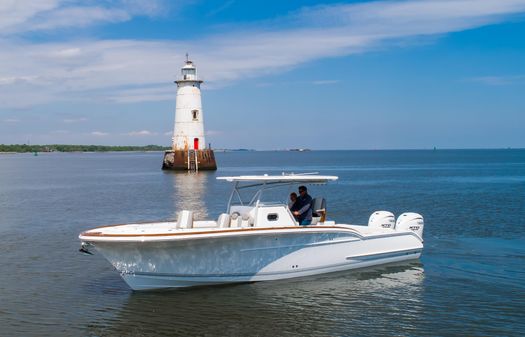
469, 281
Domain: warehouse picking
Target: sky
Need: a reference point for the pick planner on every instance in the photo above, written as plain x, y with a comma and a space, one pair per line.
411, 74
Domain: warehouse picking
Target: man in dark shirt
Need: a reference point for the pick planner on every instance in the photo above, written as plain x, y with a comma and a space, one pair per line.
304, 201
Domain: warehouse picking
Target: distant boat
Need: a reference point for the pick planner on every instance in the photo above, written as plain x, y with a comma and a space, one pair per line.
300, 150
35, 153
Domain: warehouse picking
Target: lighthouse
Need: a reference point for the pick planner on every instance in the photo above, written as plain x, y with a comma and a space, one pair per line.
189, 151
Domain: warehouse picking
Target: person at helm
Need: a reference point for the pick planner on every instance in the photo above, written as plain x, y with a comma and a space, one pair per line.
304, 212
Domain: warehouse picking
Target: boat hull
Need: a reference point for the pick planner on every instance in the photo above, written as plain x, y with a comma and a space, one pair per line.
251, 257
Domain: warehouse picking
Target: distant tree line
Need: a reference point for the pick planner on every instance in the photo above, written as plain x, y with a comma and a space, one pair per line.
77, 148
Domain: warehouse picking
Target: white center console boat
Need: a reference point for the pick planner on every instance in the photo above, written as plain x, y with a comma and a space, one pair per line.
253, 241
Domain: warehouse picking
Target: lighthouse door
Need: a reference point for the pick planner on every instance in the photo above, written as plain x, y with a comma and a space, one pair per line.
195, 143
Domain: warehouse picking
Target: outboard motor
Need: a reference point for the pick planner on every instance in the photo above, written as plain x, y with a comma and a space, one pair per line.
411, 222
382, 219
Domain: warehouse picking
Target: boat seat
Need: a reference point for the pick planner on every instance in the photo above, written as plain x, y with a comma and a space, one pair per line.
235, 220
318, 210
185, 219
318, 206
247, 221
223, 221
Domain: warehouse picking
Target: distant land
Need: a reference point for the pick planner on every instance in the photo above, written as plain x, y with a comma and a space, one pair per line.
22, 148
25, 148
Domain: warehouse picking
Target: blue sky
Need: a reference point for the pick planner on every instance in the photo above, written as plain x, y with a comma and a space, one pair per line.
278, 74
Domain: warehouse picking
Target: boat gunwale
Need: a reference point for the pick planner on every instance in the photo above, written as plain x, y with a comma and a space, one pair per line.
94, 233
159, 237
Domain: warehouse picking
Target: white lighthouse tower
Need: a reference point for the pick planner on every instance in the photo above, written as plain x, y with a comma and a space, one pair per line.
189, 122
189, 150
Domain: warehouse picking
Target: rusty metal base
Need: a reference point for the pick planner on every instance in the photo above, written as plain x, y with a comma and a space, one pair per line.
178, 160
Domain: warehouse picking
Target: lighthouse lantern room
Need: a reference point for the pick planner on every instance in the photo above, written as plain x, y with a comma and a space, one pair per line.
189, 151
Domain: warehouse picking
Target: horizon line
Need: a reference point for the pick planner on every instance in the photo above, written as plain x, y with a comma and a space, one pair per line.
291, 149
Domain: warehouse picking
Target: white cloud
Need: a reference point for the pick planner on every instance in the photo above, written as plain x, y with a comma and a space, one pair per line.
76, 17
99, 133
163, 92
19, 79
12, 120
18, 16
67, 53
16, 12
106, 69
140, 133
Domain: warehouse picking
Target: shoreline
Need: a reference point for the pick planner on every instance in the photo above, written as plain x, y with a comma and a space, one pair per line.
276, 150
50, 148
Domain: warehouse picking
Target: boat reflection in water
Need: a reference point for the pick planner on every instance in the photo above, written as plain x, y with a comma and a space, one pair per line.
355, 302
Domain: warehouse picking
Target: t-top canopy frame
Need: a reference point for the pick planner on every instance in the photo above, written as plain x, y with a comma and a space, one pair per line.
271, 181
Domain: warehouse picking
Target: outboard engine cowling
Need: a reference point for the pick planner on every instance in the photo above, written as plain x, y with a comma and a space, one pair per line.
411, 222
382, 219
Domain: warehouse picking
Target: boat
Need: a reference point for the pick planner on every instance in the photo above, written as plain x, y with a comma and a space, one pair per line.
254, 240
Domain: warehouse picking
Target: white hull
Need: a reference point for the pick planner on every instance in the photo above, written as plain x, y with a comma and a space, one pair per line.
163, 281
254, 255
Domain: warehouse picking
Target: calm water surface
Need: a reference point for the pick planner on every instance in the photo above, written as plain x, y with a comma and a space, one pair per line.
469, 281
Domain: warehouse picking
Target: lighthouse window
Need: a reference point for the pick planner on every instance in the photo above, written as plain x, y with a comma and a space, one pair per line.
188, 72
195, 114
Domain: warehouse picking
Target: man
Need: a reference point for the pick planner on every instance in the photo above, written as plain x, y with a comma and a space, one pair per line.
304, 213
